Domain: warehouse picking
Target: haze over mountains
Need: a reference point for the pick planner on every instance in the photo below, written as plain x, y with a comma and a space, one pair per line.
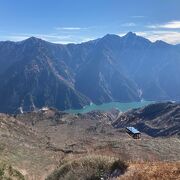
35, 73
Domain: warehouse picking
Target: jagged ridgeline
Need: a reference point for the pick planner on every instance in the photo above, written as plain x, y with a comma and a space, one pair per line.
35, 73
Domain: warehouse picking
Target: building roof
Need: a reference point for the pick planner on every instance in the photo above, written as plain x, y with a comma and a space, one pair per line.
133, 130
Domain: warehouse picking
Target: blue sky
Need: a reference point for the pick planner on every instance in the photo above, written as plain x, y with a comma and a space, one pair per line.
65, 21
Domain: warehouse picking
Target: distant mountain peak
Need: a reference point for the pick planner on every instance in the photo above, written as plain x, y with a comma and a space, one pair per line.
32, 40
111, 36
133, 37
161, 43
130, 35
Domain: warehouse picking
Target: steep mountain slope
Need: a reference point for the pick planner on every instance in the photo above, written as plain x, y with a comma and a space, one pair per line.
24, 149
161, 119
158, 74
35, 81
102, 81
35, 73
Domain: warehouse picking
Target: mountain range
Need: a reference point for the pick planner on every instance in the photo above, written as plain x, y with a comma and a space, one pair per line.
35, 73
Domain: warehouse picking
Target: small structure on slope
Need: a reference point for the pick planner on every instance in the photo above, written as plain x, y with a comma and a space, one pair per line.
133, 132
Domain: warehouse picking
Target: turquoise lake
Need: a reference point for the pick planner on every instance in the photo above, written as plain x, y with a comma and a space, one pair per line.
108, 106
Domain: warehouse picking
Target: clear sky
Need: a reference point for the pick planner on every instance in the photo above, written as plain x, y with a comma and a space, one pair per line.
65, 21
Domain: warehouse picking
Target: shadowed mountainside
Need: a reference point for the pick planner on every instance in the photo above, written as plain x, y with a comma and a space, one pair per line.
35, 73
160, 119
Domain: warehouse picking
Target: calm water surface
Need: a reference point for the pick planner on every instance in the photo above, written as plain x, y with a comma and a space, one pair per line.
108, 106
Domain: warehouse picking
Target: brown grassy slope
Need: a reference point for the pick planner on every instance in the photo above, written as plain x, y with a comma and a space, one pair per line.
9, 173
91, 167
33, 142
24, 149
93, 132
152, 171
96, 167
